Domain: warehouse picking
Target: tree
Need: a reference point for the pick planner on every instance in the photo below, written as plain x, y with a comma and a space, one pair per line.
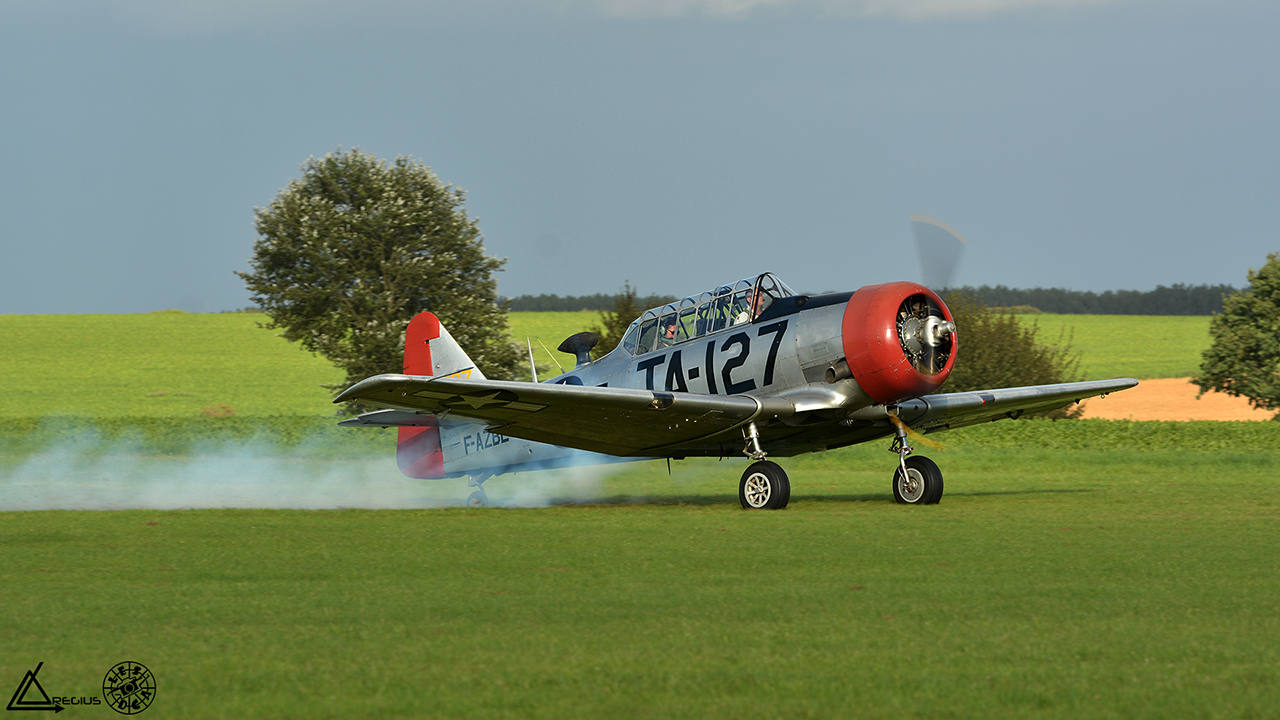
351, 251
614, 323
1244, 359
997, 350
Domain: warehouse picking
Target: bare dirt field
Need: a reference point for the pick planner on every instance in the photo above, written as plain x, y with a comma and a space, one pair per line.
1171, 399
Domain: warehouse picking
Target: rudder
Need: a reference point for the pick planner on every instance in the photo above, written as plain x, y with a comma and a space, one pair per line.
429, 349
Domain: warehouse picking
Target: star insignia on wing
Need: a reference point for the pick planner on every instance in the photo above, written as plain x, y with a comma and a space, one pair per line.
478, 401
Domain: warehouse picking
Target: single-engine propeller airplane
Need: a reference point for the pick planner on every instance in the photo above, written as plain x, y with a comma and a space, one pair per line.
752, 367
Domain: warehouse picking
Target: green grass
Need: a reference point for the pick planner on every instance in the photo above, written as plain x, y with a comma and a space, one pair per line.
157, 364
1138, 346
1049, 583
545, 331
174, 364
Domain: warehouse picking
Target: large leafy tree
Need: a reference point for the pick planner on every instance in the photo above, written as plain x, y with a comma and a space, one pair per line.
998, 349
1244, 359
351, 251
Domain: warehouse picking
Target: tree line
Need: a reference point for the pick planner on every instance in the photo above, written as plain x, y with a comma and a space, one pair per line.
1177, 299
1173, 300
576, 303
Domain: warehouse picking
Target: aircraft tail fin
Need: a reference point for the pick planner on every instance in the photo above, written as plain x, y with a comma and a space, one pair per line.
429, 349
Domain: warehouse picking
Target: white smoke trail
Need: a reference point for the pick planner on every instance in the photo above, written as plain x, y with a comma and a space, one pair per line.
580, 484
86, 475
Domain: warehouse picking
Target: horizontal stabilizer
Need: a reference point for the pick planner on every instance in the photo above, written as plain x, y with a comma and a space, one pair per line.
391, 418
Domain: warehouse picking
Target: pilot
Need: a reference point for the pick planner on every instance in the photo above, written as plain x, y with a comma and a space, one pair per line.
669, 330
756, 305
745, 309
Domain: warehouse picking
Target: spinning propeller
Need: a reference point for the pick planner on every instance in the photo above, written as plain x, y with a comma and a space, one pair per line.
926, 336
923, 329
939, 246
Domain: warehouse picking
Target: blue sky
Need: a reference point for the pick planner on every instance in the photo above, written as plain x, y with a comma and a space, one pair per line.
675, 144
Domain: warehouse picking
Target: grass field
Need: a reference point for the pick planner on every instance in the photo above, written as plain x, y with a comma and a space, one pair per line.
157, 364
179, 364
1139, 346
1050, 583
1074, 569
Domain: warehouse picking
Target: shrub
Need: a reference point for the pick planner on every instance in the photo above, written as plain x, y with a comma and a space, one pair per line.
997, 350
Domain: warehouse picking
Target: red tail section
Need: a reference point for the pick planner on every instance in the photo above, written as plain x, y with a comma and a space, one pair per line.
418, 448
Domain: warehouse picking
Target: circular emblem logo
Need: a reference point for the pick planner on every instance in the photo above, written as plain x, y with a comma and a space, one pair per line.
129, 688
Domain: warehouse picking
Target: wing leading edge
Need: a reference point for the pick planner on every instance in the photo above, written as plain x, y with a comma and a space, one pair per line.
954, 410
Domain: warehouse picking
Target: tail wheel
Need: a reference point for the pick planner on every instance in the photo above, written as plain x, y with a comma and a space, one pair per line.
478, 499
764, 486
922, 484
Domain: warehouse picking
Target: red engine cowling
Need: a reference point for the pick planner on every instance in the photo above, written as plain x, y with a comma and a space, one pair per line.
899, 340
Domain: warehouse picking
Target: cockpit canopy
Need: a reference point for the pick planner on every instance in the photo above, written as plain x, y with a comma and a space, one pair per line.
698, 315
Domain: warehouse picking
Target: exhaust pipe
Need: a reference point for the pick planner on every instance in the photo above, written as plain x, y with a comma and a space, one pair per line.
838, 371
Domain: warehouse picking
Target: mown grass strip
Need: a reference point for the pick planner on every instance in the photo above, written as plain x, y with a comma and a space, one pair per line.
1047, 584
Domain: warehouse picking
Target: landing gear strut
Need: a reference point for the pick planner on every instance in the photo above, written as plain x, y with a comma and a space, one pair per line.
917, 481
764, 485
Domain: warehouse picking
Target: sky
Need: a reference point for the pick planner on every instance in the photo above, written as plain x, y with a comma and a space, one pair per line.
672, 144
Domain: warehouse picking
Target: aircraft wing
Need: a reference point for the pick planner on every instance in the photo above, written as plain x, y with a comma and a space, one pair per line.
953, 410
615, 421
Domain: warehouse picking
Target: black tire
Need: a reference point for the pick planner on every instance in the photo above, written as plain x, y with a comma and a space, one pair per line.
478, 499
764, 486
923, 485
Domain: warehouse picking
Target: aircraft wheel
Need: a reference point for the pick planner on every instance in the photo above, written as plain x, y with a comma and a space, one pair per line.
922, 484
478, 499
764, 486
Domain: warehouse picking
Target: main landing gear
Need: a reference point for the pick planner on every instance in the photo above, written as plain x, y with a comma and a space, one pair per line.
917, 481
765, 486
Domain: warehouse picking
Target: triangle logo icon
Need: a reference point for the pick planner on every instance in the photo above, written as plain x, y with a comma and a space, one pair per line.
25, 697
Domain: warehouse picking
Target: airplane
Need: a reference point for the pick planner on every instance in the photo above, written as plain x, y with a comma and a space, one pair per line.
752, 367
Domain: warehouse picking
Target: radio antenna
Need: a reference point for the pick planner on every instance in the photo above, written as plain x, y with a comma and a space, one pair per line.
533, 369
553, 357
